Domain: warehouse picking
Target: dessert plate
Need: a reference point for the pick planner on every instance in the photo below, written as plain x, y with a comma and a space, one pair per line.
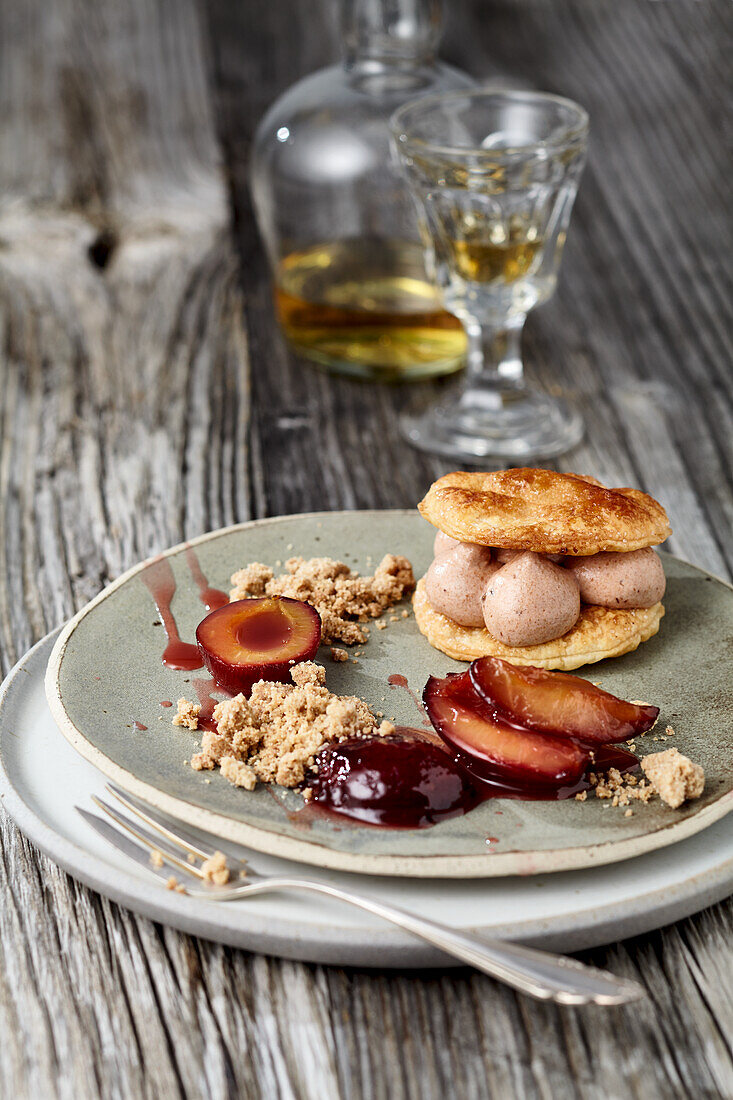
42, 778
105, 685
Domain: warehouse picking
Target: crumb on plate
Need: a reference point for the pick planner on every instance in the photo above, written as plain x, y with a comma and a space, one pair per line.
673, 776
620, 789
215, 870
187, 714
343, 599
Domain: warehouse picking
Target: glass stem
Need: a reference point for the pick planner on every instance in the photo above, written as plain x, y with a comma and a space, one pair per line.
495, 356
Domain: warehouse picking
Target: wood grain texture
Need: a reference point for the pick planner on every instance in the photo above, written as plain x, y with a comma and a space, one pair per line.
147, 397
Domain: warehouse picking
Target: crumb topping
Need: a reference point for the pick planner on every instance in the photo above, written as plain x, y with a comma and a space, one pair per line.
215, 869
338, 654
342, 598
673, 776
620, 788
187, 714
237, 772
275, 735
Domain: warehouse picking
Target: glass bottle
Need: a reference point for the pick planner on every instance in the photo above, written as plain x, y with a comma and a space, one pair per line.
352, 292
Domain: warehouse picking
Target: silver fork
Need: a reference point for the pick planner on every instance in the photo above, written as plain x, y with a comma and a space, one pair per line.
540, 974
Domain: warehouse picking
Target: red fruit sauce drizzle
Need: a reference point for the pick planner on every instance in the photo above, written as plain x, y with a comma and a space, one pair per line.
138, 725
159, 580
211, 598
402, 782
398, 680
207, 701
166, 703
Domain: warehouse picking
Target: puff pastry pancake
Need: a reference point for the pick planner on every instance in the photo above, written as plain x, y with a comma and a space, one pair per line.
600, 632
544, 511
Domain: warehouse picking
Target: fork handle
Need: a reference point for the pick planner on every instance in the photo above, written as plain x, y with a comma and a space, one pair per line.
537, 973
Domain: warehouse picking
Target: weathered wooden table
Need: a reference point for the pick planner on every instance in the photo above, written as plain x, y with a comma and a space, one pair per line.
147, 397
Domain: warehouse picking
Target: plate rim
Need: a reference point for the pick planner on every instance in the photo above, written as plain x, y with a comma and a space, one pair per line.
391, 948
485, 865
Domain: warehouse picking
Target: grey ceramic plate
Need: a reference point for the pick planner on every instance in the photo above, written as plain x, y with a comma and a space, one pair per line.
105, 674
42, 779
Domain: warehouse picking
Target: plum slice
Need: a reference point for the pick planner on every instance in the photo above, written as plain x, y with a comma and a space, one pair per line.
558, 703
257, 639
492, 747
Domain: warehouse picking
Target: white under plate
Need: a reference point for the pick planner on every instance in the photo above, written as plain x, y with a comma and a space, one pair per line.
42, 778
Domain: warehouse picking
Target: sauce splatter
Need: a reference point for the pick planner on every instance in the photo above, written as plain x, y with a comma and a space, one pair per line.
211, 598
207, 701
159, 580
400, 681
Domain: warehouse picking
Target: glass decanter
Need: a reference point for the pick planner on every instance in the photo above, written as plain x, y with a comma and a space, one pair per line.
352, 292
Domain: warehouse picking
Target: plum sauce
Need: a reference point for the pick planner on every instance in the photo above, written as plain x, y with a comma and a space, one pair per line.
403, 781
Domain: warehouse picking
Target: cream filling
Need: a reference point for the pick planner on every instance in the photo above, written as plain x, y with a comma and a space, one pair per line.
527, 599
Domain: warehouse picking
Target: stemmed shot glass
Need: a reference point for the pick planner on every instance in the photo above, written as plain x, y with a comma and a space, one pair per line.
494, 176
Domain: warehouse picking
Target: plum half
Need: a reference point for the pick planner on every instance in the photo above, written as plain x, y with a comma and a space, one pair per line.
495, 749
557, 703
258, 639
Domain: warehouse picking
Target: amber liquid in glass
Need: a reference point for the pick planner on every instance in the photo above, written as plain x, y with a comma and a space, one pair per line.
487, 262
366, 307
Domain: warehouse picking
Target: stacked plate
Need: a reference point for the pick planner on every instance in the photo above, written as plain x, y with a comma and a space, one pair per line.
565, 875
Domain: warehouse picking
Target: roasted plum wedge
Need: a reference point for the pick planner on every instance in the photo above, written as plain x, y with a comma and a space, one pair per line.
257, 639
558, 703
494, 748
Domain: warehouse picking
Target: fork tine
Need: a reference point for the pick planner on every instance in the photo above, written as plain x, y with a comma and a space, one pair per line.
180, 835
146, 814
152, 843
123, 843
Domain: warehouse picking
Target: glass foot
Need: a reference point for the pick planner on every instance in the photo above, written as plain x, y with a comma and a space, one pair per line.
503, 424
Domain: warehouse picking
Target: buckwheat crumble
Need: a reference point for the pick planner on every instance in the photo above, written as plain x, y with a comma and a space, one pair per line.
342, 598
620, 789
215, 869
237, 772
275, 735
338, 654
673, 776
187, 714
